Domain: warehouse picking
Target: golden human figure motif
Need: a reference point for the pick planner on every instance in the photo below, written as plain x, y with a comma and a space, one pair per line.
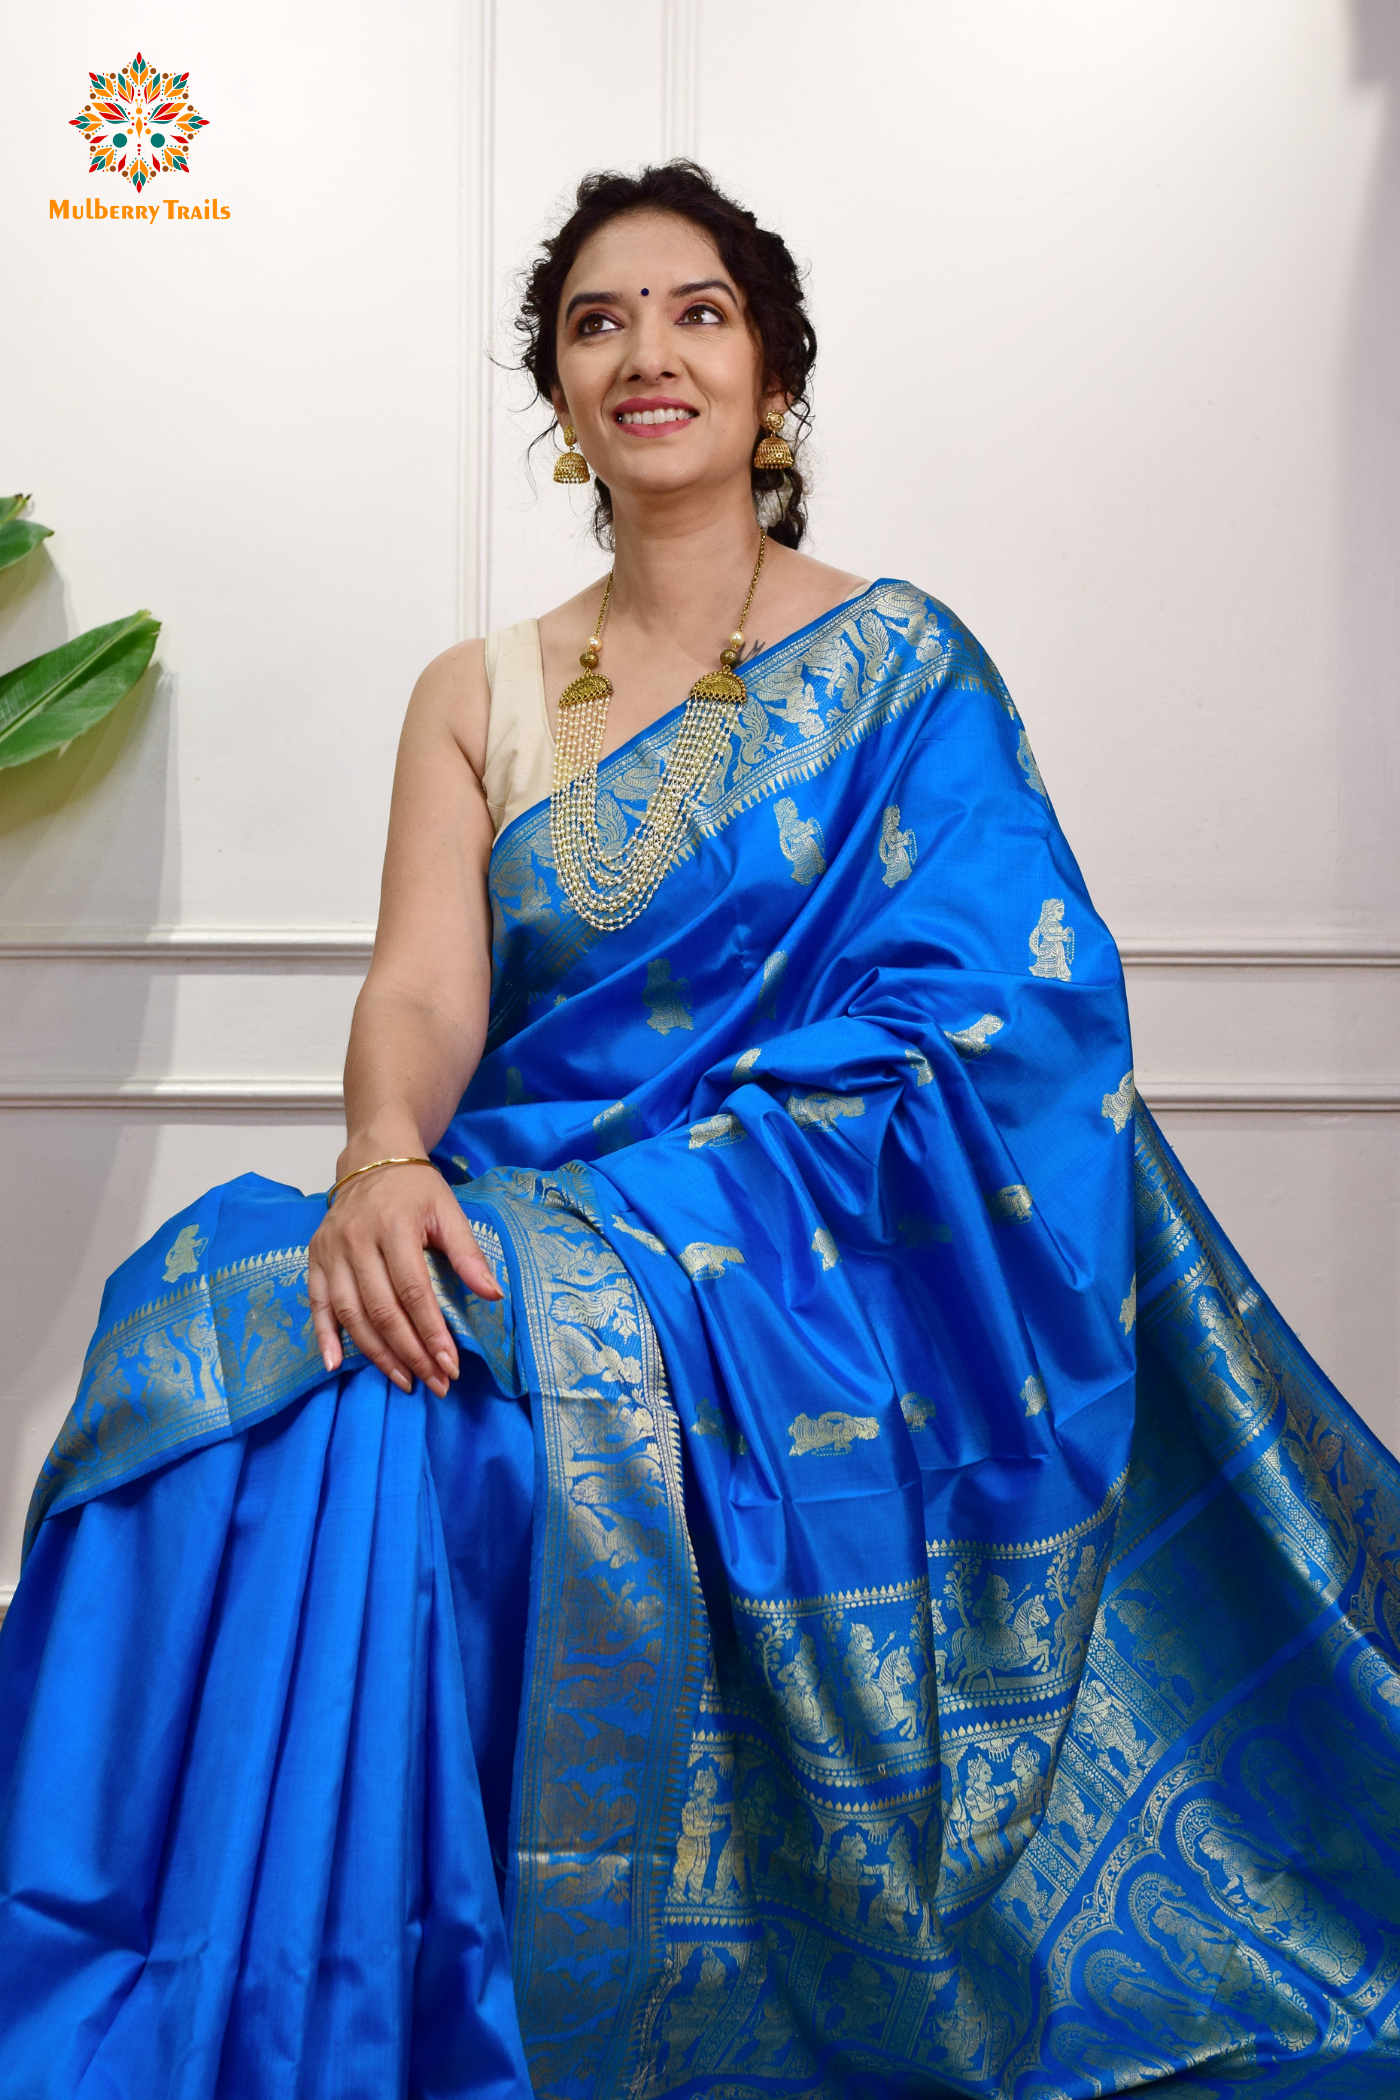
802, 1695
1282, 1908
846, 1873
690, 2013
1002, 1634
984, 1801
1025, 759
1052, 942
1118, 1106
183, 1255
699, 1821
1242, 1362
865, 2003
801, 840
899, 1902
884, 1686
898, 849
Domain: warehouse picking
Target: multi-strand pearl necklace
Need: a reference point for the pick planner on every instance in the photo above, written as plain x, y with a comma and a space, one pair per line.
609, 889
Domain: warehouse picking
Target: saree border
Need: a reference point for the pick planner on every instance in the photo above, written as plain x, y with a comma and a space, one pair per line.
615, 1647
1252, 1377
178, 1371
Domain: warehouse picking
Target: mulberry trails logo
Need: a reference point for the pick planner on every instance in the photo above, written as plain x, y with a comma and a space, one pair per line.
138, 124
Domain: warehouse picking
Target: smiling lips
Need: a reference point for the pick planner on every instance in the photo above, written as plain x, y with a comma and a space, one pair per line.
651, 415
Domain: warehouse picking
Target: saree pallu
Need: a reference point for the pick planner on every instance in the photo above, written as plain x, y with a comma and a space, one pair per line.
889, 1607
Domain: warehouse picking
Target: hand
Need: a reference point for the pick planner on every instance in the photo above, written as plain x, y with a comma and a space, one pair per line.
367, 1274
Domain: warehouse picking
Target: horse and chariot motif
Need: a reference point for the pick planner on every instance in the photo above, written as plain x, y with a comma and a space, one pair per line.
999, 1638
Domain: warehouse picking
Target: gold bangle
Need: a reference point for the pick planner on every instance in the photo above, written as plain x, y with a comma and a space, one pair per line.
415, 1159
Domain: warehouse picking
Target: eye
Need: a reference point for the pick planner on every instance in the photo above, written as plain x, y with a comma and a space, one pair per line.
702, 312
596, 324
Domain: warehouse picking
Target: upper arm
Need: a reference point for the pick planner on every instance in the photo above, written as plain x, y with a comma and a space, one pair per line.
434, 937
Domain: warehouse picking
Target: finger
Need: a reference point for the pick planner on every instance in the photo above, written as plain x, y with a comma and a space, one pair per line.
323, 1320
449, 1231
380, 1298
349, 1310
408, 1272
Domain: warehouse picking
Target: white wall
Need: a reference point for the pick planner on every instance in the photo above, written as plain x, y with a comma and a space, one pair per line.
1109, 307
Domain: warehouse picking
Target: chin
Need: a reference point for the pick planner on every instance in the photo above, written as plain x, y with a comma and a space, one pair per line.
664, 477
656, 477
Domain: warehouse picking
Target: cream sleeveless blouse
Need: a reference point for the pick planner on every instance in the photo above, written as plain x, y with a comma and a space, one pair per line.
519, 770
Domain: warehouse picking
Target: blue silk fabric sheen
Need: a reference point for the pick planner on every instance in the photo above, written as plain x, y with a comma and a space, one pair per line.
889, 1607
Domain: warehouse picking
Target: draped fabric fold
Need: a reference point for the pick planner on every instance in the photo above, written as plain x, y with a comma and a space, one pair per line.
245, 1850
958, 1652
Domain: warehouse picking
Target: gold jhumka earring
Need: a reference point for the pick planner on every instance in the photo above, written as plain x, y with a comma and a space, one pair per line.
774, 450
571, 465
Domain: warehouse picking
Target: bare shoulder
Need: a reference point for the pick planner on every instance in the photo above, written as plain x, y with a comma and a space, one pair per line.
795, 590
816, 580
451, 697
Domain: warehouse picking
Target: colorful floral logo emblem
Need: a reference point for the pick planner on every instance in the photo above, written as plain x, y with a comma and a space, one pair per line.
139, 123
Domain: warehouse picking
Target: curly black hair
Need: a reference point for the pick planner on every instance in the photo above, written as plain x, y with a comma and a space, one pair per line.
761, 266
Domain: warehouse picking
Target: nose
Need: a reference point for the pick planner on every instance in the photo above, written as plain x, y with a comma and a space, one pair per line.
650, 349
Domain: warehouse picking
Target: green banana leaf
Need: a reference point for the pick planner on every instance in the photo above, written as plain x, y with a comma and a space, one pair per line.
50, 700
18, 537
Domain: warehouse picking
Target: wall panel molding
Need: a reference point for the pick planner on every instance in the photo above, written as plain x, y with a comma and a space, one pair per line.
1257, 955
680, 79
295, 953
318, 946
477, 373
316, 1096
1266, 1097
193, 947
176, 1095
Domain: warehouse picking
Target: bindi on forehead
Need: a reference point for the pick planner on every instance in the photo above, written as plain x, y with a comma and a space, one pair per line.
645, 293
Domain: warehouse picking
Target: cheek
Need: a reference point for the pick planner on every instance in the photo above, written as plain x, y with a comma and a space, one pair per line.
584, 373
728, 369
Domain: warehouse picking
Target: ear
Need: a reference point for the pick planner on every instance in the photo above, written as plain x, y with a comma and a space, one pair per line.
561, 406
773, 397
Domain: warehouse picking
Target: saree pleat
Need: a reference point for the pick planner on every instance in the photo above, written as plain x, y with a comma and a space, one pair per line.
888, 1609
269, 1743
298, 1944
88, 1720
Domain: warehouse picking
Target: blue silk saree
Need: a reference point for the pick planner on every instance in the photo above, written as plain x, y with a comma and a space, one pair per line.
888, 1609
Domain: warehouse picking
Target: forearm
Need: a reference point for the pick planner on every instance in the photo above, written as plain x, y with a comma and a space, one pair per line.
406, 1069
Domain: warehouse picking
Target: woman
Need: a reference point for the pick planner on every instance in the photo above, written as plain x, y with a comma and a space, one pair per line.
753, 1479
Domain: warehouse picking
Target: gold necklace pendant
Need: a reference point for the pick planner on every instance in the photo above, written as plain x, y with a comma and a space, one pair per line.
609, 888
718, 685
589, 685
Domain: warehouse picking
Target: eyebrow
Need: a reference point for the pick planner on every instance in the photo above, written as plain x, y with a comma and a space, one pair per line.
679, 291
592, 299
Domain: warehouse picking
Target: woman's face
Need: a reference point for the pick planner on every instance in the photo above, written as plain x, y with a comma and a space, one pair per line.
659, 370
